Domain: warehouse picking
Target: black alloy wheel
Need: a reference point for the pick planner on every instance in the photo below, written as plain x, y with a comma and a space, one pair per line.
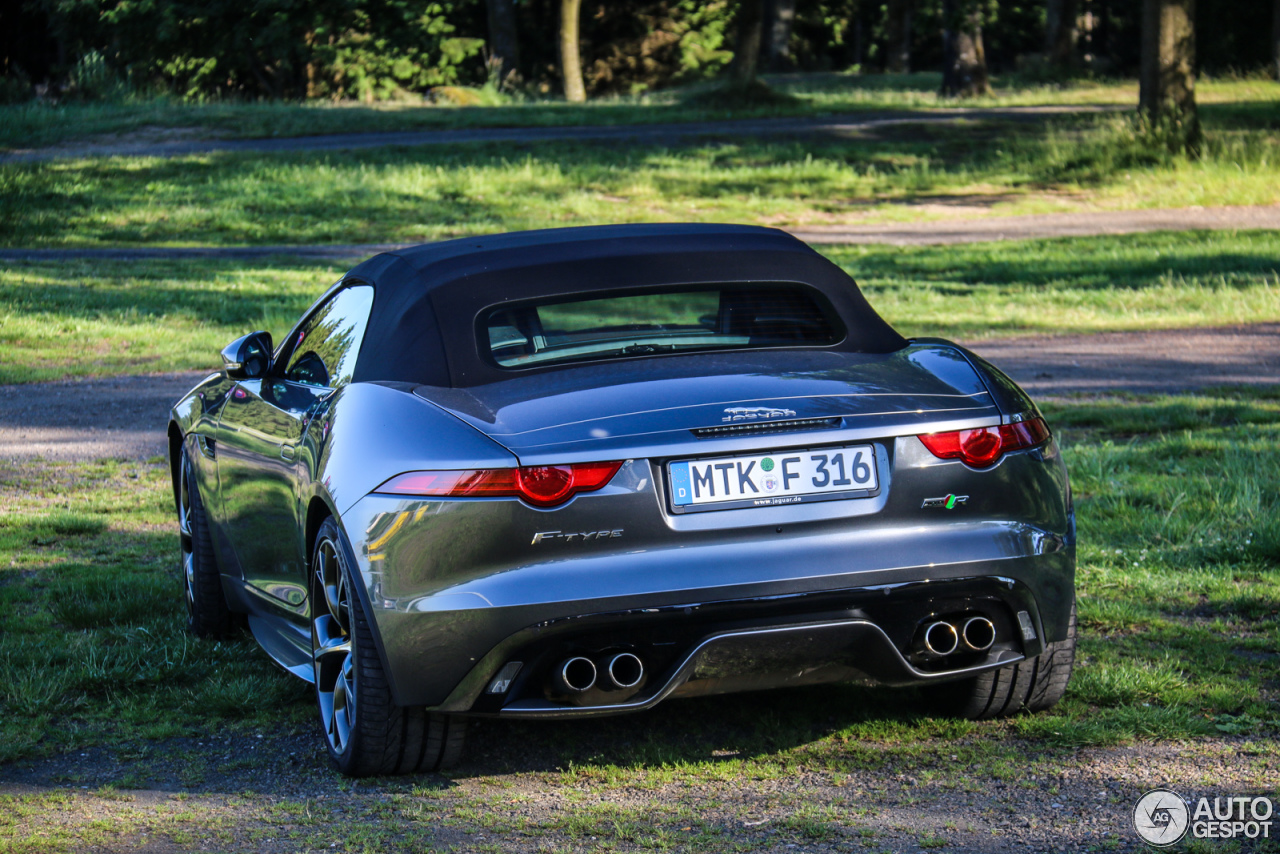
207, 613
366, 733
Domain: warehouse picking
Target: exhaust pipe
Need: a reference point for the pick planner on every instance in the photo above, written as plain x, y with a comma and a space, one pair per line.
574, 675
979, 633
625, 670
940, 638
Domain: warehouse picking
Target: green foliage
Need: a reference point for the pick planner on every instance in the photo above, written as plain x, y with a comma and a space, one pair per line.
1174, 130
15, 87
703, 38
371, 62
365, 49
632, 48
379, 49
92, 79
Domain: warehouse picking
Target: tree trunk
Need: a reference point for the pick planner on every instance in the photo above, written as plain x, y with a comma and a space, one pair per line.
1167, 84
898, 36
504, 48
746, 54
1275, 40
964, 61
1060, 33
570, 60
859, 44
780, 16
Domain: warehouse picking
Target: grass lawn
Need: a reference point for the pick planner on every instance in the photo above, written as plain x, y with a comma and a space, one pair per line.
96, 318
1178, 502
36, 125
433, 192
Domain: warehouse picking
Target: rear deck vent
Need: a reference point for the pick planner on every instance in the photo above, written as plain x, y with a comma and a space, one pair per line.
760, 428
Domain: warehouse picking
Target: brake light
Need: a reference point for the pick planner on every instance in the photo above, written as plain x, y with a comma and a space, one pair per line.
542, 486
984, 447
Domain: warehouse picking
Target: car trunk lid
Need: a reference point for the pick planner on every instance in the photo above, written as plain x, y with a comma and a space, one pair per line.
724, 402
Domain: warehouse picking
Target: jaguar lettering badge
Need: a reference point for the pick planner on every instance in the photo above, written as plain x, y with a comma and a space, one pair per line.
747, 413
572, 536
946, 502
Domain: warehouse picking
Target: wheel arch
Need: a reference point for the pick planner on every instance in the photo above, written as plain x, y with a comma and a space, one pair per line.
318, 509
175, 459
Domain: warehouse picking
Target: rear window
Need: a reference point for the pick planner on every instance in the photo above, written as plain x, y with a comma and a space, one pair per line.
620, 325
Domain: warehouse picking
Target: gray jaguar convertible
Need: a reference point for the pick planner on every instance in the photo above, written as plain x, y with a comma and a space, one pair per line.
588, 470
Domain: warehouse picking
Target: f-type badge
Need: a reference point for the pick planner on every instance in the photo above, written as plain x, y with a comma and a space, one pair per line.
946, 502
747, 413
571, 536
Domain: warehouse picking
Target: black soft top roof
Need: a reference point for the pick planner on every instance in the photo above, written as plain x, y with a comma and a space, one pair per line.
427, 298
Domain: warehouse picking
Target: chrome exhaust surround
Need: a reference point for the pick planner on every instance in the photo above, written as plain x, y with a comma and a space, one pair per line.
625, 670
574, 675
940, 638
979, 633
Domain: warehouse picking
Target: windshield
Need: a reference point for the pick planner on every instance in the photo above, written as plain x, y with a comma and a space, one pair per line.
616, 325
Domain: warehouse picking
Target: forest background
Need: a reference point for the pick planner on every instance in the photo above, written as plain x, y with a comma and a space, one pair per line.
370, 50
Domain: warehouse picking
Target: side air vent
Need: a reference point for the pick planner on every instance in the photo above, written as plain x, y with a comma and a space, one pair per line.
763, 427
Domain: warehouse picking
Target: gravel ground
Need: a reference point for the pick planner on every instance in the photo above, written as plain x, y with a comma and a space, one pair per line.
1079, 800
125, 416
932, 233
89, 419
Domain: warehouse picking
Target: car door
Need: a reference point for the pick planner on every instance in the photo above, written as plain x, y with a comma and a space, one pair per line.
262, 463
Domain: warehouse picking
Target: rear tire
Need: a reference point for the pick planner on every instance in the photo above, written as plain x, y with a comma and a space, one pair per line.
1032, 685
207, 613
366, 733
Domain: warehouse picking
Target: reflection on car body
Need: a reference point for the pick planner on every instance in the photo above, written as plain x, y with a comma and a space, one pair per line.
584, 471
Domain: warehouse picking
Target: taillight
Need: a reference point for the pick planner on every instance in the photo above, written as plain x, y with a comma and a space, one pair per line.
543, 486
985, 446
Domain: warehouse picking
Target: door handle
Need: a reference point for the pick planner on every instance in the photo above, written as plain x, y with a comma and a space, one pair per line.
288, 453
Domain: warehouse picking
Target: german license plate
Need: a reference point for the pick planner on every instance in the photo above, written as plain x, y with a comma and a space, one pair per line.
763, 480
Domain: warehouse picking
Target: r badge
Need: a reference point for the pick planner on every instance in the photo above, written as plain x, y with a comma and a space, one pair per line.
946, 502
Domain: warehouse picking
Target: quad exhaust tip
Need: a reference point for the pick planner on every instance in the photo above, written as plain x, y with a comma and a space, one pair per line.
575, 675
625, 670
979, 633
941, 638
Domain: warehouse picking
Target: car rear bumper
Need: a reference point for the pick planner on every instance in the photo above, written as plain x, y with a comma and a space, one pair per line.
862, 635
843, 607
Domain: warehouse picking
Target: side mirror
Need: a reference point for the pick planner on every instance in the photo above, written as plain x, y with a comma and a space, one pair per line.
248, 358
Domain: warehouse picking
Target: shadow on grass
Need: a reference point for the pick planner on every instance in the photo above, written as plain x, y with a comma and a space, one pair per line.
1215, 259
1242, 115
204, 291
415, 193
780, 727
421, 193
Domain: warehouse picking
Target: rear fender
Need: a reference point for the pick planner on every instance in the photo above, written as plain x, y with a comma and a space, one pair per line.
371, 432
1012, 401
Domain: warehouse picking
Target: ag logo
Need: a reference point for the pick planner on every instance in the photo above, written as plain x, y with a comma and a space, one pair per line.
946, 502
1160, 817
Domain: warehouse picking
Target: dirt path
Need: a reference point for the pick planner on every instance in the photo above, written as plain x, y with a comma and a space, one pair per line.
1082, 224
839, 125
125, 416
1155, 362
